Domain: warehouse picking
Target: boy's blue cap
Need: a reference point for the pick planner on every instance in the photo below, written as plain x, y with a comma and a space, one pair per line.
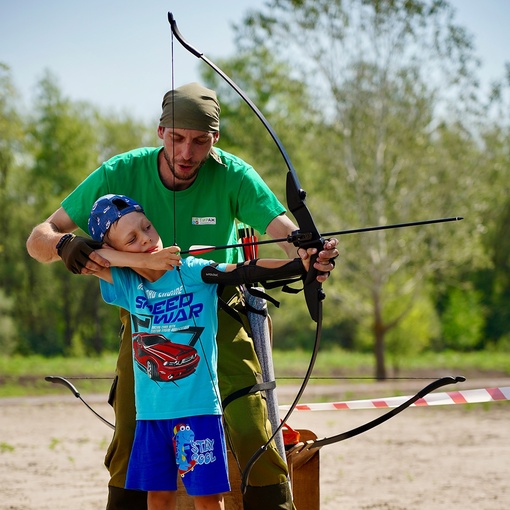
107, 210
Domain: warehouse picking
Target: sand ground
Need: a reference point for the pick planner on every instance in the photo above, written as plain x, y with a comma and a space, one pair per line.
433, 458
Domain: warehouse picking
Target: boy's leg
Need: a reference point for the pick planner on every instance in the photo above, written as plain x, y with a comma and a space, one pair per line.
123, 402
162, 500
246, 421
212, 502
120, 499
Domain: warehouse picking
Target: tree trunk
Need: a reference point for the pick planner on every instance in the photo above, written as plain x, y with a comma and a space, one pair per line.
379, 332
67, 313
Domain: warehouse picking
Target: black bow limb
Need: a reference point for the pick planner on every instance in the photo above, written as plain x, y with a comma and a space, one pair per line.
61, 380
309, 236
319, 443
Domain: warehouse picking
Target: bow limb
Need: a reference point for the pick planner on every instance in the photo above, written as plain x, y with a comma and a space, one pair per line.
307, 237
319, 443
61, 380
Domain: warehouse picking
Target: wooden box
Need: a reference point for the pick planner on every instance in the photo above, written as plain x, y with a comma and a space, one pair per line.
304, 475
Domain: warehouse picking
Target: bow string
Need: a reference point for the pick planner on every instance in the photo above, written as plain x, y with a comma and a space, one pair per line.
307, 236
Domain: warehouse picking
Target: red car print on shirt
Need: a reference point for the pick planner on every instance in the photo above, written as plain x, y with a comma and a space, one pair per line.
162, 359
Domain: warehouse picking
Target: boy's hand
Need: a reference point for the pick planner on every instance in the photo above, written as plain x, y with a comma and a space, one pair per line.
166, 259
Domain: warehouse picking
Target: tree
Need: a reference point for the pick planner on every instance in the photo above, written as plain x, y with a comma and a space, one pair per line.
42, 158
288, 108
62, 146
494, 281
11, 149
462, 320
384, 73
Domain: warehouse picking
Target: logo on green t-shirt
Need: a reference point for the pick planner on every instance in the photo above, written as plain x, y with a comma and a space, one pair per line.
208, 220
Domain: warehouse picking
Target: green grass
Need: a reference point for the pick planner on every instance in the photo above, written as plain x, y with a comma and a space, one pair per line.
338, 363
25, 375
483, 362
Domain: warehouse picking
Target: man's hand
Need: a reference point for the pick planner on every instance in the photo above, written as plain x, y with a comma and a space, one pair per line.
325, 262
305, 259
75, 251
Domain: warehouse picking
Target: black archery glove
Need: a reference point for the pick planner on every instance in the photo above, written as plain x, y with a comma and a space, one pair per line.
75, 251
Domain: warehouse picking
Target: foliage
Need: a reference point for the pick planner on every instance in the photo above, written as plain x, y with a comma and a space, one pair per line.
7, 325
376, 102
395, 83
414, 334
43, 156
283, 101
415, 330
462, 320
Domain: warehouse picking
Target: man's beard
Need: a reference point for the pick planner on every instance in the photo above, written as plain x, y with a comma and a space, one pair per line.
186, 176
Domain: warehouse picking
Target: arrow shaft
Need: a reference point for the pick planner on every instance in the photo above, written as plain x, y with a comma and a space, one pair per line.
206, 249
392, 226
289, 239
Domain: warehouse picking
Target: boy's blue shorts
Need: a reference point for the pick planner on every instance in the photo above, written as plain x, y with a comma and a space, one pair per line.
192, 448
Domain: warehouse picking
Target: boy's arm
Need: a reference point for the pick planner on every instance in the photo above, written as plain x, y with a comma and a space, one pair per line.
145, 264
277, 264
105, 274
163, 260
255, 271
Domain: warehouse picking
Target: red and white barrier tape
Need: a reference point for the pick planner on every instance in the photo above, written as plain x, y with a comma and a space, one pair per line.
433, 399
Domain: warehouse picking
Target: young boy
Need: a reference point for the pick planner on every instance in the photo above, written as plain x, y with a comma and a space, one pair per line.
174, 322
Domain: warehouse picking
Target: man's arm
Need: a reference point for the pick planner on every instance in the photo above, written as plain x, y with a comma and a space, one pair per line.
282, 226
42, 242
77, 253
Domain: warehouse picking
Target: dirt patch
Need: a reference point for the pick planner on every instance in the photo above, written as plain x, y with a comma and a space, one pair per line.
431, 458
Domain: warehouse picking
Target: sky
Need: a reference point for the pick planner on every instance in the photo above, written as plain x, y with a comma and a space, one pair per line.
117, 54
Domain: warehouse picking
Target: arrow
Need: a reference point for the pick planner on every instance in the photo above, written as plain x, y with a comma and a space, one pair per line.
297, 236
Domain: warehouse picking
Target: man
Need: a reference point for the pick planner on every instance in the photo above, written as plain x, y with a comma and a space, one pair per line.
193, 193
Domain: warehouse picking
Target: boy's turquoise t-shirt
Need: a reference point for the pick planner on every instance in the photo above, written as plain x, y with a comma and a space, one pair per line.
179, 308
205, 212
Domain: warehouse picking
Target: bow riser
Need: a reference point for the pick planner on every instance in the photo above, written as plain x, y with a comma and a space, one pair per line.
296, 201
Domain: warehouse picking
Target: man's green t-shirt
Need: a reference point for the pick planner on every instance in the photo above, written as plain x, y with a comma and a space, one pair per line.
205, 212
